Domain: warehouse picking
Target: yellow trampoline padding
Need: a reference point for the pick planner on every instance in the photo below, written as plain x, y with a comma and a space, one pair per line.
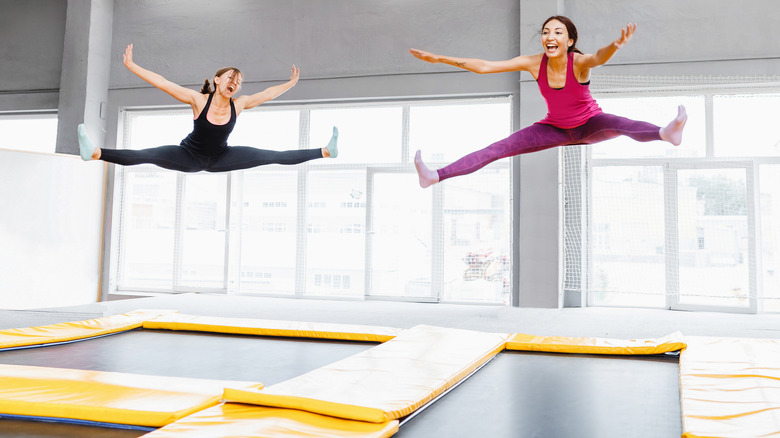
109, 397
242, 420
263, 327
730, 387
386, 382
564, 344
70, 331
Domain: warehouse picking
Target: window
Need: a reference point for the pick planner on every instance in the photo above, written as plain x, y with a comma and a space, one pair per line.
33, 132
354, 227
648, 224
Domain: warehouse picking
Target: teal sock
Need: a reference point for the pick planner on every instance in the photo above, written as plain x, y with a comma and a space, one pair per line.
332, 147
86, 148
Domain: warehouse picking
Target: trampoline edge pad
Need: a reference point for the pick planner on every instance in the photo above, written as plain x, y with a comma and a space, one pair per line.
386, 382
565, 344
236, 419
71, 331
108, 397
264, 327
730, 387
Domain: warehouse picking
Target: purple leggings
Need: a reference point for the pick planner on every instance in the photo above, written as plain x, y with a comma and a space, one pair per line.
541, 136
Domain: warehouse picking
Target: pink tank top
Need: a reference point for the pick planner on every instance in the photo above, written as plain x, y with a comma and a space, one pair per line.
570, 106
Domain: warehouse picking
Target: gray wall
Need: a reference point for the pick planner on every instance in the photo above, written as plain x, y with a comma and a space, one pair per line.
350, 49
32, 32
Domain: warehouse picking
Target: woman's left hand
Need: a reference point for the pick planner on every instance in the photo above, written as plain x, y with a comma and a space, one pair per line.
625, 35
295, 73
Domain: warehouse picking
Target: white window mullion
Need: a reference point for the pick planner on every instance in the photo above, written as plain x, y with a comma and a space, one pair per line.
302, 222
178, 240
227, 268
754, 237
235, 231
671, 245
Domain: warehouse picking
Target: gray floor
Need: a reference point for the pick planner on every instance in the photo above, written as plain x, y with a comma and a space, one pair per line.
594, 321
516, 394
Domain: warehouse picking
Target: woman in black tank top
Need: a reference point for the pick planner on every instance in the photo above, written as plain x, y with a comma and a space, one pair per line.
215, 112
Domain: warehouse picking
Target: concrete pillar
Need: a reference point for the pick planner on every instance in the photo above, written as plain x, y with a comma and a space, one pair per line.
536, 200
86, 64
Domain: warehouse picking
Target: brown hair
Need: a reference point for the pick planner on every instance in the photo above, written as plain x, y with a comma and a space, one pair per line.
206, 89
571, 29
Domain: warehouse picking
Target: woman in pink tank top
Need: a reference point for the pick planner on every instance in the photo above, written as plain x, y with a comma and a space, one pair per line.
573, 116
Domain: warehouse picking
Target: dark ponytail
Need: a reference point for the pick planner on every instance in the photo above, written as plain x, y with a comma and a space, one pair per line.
571, 29
206, 87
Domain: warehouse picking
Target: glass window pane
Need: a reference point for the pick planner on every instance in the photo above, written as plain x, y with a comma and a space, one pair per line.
713, 242
29, 132
627, 237
204, 229
476, 237
770, 235
746, 126
366, 135
273, 130
268, 231
335, 243
445, 133
149, 130
147, 230
659, 111
401, 237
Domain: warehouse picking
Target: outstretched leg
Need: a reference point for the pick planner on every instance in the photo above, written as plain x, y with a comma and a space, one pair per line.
533, 138
167, 157
605, 126
244, 157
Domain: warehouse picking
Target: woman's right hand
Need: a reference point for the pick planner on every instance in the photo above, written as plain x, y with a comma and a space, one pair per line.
127, 58
425, 56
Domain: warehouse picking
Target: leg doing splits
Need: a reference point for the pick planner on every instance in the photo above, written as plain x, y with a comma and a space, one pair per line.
541, 136
182, 159
243, 157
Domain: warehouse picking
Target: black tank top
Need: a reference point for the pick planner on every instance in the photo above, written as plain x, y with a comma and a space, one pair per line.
207, 138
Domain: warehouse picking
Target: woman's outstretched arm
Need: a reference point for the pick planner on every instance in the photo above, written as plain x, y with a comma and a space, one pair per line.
605, 53
184, 95
270, 93
481, 66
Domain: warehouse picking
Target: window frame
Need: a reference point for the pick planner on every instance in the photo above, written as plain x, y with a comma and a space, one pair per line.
233, 275
577, 272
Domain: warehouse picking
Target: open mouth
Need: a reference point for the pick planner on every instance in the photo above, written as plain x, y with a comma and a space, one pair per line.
231, 89
551, 48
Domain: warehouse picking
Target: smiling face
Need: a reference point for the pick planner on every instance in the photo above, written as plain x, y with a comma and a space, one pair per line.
555, 39
229, 82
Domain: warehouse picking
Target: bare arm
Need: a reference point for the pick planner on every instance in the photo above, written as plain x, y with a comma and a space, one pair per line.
520, 63
184, 95
270, 93
605, 53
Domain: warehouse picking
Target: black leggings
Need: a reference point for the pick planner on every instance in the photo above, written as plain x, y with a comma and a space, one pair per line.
182, 159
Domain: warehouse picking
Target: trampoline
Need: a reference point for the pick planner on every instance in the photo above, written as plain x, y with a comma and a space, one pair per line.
174, 354
521, 394
473, 386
